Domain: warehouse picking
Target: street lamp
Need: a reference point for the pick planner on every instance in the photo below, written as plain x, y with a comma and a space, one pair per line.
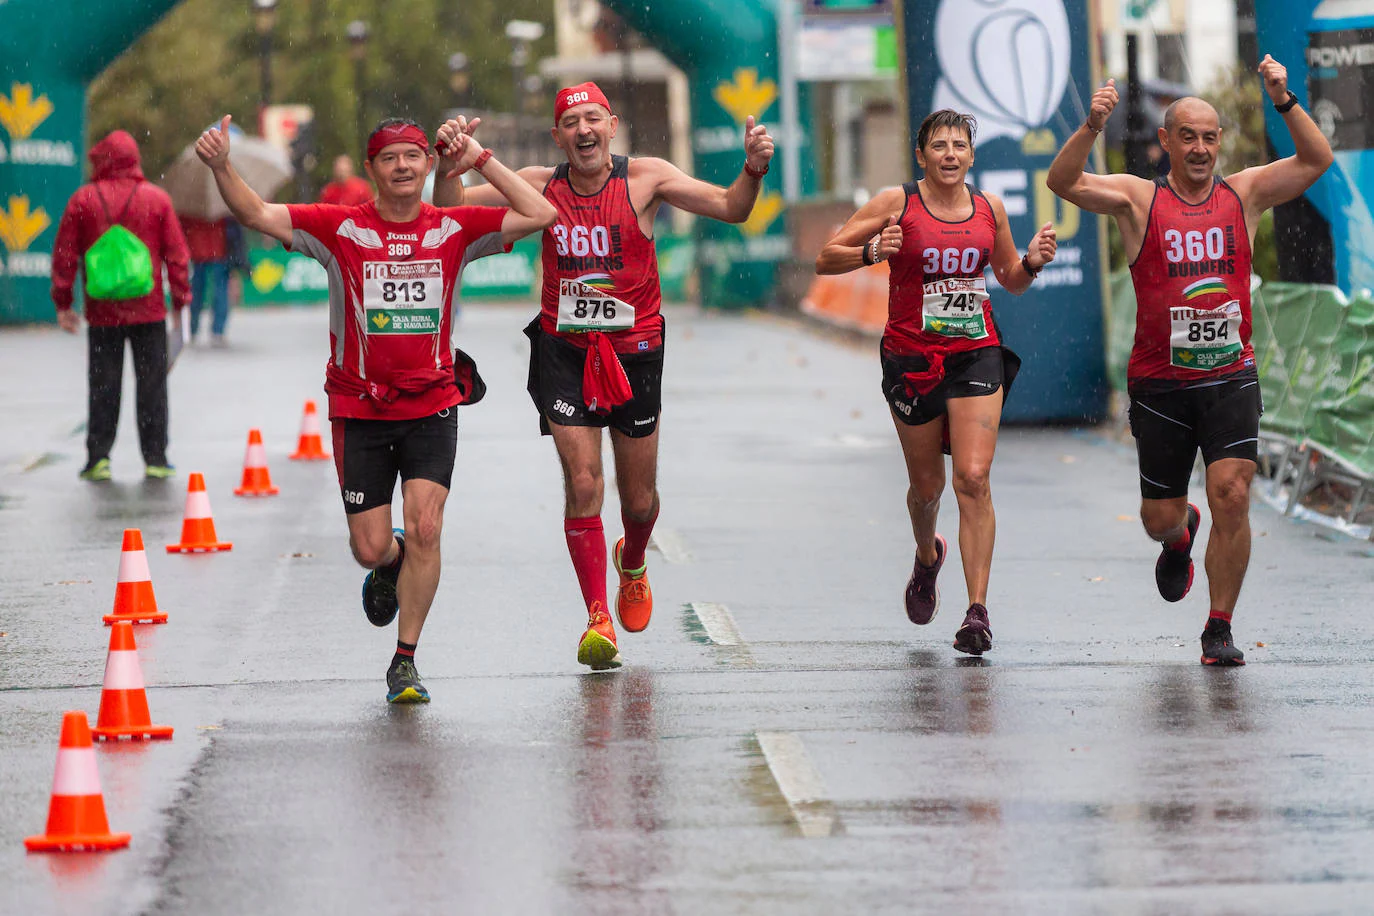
459, 80
264, 20
358, 33
522, 33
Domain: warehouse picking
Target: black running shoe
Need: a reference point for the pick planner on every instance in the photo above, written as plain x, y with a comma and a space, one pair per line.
922, 595
1174, 568
1217, 647
403, 684
975, 636
379, 589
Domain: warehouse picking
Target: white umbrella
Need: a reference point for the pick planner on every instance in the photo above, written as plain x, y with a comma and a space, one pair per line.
191, 184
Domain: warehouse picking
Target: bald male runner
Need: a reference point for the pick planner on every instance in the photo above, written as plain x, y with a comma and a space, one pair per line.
1192, 379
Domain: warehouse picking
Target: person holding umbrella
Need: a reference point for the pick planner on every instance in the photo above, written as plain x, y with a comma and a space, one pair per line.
394, 377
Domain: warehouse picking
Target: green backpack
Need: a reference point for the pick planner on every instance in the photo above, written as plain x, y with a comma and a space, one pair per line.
118, 265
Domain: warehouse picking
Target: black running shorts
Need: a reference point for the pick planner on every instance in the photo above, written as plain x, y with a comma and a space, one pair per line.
970, 374
555, 386
1171, 420
368, 454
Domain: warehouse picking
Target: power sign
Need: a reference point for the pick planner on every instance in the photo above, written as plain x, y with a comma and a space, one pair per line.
1022, 69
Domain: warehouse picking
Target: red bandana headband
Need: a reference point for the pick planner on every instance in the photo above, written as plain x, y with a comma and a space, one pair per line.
578, 95
395, 133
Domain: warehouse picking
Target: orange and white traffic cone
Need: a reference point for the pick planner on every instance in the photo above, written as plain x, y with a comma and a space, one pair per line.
257, 480
76, 814
309, 447
134, 600
123, 701
198, 526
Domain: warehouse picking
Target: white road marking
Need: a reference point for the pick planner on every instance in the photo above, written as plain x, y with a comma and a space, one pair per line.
799, 782
669, 545
718, 622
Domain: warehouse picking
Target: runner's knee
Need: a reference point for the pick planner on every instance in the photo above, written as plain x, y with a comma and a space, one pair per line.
972, 482
370, 552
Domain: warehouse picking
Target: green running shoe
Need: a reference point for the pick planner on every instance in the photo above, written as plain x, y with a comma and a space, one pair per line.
98, 471
403, 684
159, 471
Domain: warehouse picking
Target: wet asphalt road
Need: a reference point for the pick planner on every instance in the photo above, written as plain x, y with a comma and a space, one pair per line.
781, 738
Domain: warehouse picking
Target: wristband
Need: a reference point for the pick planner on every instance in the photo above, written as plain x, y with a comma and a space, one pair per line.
1030, 272
482, 160
1288, 105
868, 256
756, 174
1096, 130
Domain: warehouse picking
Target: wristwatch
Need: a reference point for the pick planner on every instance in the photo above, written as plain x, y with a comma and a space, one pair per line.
1286, 106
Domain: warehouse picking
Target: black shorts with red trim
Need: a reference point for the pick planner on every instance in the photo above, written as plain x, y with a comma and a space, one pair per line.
970, 374
1171, 420
370, 454
555, 386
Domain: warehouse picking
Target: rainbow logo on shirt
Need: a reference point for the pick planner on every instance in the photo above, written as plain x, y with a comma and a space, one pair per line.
1204, 287
600, 282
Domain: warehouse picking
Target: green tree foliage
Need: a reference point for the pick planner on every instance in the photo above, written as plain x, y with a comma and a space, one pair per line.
202, 62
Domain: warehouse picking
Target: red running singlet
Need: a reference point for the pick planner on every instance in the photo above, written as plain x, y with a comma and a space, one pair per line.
600, 270
937, 297
1192, 287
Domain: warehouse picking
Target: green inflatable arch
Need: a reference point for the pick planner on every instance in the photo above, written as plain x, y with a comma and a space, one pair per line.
729, 51
50, 50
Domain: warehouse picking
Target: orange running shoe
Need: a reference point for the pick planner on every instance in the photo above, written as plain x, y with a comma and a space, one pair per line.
634, 603
597, 649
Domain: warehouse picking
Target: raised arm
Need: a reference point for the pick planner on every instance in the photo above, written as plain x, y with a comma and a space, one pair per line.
1113, 195
448, 183
530, 210
248, 208
1266, 186
871, 235
729, 205
1013, 271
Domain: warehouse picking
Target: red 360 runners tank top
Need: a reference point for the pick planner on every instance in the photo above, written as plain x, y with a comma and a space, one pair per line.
600, 270
937, 297
1192, 287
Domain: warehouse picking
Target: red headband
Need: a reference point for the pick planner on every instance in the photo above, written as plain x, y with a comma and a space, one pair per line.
396, 133
578, 95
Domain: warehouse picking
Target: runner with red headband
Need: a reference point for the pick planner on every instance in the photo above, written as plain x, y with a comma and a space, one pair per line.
394, 378
596, 349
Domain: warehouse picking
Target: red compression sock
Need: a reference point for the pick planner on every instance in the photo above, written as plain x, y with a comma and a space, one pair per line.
587, 547
636, 540
1220, 615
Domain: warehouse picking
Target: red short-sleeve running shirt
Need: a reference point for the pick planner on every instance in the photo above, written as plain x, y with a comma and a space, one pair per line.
392, 292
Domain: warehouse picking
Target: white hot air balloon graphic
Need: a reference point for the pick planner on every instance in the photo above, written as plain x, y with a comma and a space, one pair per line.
1004, 61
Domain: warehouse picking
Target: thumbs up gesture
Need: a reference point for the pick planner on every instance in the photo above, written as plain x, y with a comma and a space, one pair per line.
213, 146
889, 241
758, 146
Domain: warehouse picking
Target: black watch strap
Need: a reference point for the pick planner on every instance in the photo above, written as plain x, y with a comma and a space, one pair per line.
1288, 105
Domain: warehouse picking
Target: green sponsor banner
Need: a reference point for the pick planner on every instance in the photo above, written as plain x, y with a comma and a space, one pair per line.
1305, 322
1343, 411
281, 277
403, 321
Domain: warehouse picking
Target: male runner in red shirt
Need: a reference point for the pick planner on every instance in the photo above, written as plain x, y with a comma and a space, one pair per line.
394, 378
1192, 377
597, 346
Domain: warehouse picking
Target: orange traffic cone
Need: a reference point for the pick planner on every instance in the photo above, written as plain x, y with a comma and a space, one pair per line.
257, 480
123, 701
134, 599
198, 527
309, 447
76, 814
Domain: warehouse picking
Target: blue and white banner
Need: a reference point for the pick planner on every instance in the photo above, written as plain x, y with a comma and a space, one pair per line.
1328, 48
1023, 69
